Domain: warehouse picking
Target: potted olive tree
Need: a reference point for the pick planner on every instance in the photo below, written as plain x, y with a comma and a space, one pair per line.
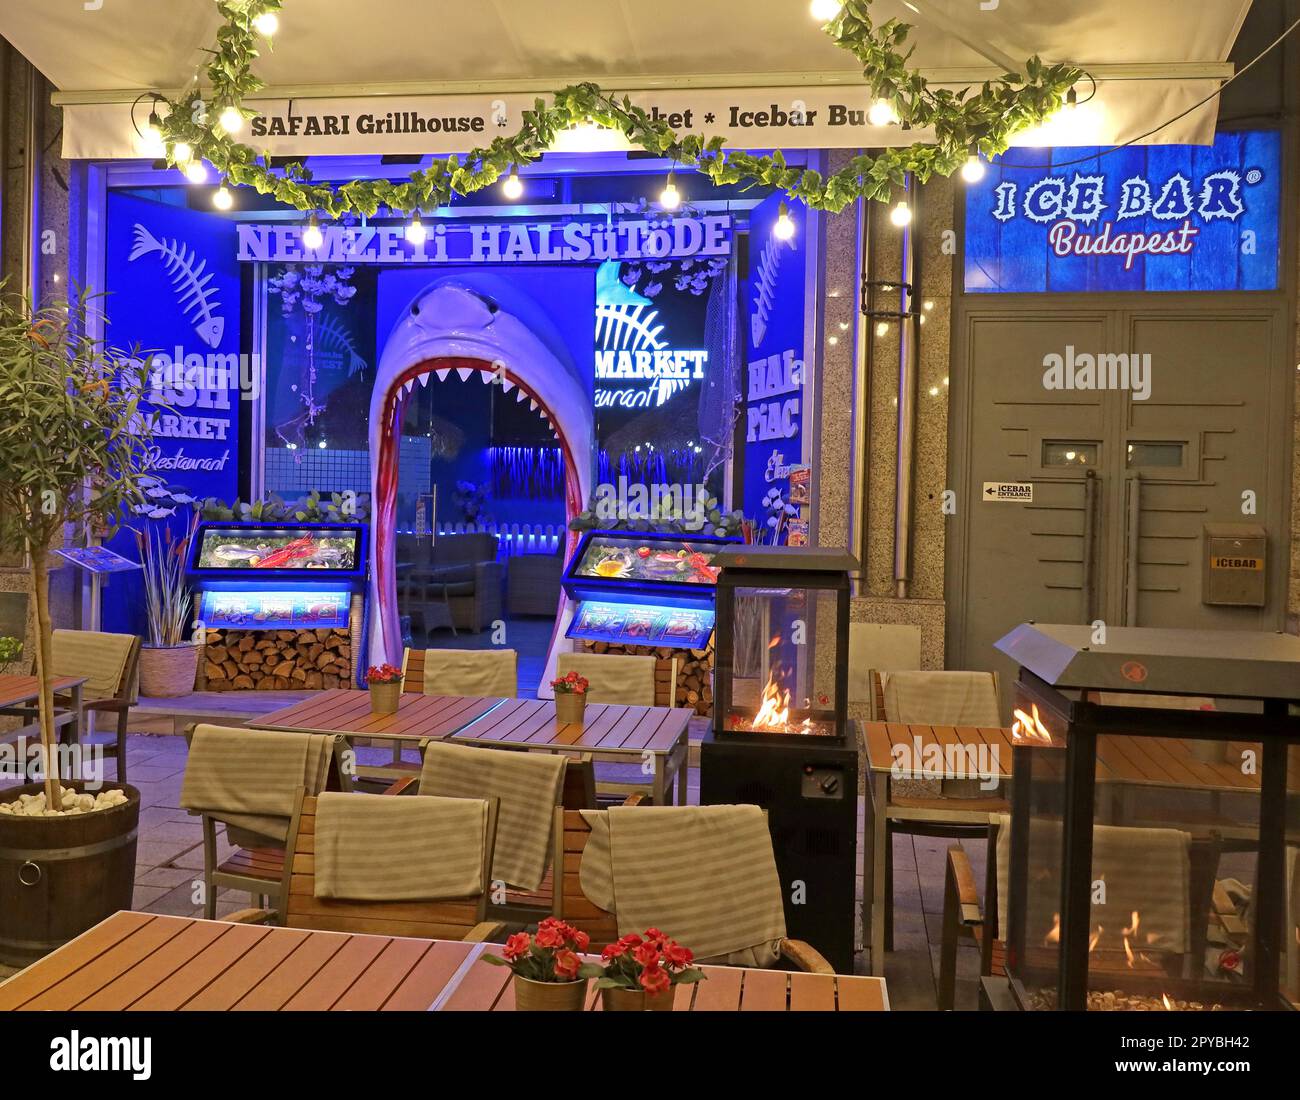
72, 449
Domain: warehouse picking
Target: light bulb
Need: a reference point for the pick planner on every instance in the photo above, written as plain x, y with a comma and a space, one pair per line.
182, 152
312, 237
825, 10
222, 199
266, 23
783, 229
196, 172
512, 187
670, 198
415, 232
231, 120
901, 215
973, 170
882, 328
882, 113
151, 138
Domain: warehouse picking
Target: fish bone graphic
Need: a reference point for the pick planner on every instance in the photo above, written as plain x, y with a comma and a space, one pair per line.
196, 298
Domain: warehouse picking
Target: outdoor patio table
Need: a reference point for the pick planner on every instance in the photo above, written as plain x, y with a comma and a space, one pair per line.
142, 962
340, 710
19, 696
1123, 764
655, 736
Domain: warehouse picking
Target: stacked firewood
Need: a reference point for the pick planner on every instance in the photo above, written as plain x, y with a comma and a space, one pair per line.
277, 660
694, 670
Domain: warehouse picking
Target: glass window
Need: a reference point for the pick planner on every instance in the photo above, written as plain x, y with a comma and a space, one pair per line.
1167, 454
1058, 452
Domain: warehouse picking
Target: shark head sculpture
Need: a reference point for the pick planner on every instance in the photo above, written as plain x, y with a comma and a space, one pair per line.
449, 326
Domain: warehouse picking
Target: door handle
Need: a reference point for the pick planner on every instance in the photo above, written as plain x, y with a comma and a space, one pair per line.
1090, 495
1133, 535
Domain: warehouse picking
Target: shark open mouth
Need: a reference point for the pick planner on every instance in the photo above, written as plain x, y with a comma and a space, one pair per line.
454, 328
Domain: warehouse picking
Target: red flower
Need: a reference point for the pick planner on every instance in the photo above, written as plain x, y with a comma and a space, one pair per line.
549, 936
631, 940
655, 980
647, 955
678, 957
613, 951
580, 939
566, 965
517, 946
655, 936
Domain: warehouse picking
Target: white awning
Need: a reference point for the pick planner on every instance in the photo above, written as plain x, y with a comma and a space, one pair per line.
760, 72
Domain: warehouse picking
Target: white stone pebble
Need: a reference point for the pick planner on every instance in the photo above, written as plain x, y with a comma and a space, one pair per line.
33, 805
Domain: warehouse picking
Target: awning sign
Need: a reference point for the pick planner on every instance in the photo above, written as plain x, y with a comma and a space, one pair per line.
1014, 492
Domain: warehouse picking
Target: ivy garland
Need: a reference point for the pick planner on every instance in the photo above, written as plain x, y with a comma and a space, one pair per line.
963, 123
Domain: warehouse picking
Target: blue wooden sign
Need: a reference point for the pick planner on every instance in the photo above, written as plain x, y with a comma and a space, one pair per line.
1154, 217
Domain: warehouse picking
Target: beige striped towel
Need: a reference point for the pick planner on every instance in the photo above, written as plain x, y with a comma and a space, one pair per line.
98, 656
1147, 870
370, 847
248, 778
704, 875
528, 785
480, 673
949, 698
614, 678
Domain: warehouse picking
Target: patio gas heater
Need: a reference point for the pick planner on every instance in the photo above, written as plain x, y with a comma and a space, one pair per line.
1152, 858
781, 736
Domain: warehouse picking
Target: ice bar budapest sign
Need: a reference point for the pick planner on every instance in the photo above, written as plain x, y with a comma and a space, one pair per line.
1156, 218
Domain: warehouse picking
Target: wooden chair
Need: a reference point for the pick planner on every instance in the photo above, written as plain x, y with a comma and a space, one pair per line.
964, 918
498, 668
454, 919
259, 870
572, 905
948, 815
119, 703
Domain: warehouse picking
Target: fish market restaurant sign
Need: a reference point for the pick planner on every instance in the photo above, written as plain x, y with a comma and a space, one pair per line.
1172, 218
495, 242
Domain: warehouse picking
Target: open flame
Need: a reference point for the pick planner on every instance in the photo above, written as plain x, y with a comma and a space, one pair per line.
774, 709
1029, 727
1053, 933
1164, 999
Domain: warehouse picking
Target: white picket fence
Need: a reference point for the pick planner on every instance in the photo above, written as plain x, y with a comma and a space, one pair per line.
514, 538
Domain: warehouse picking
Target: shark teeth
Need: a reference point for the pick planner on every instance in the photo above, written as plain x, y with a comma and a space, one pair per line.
409, 386
506, 384
464, 373
520, 395
424, 378
486, 377
532, 404
442, 374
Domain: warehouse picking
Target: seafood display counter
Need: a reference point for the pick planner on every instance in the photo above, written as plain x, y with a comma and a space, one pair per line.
647, 589
279, 606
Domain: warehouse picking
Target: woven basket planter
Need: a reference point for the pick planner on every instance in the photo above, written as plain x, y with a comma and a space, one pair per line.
168, 671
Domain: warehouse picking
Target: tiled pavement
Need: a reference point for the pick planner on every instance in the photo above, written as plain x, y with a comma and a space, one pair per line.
169, 861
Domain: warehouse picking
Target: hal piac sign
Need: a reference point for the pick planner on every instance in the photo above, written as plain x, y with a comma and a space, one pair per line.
1178, 217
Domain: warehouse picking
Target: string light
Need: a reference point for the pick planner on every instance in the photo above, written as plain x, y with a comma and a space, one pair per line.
882, 328
512, 187
415, 232
783, 228
266, 24
825, 10
882, 113
182, 152
973, 170
151, 137
222, 199
312, 237
196, 171
670, 198
231, 120
901, 215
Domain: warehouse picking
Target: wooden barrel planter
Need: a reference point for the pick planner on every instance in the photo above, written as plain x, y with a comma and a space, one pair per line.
61, 875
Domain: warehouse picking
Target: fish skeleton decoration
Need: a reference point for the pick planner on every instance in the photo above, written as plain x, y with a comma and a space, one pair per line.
334, 339
626, 326
764, 290
197, 299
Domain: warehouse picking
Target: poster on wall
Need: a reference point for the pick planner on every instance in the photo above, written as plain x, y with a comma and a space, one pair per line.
773, 387
1142, 218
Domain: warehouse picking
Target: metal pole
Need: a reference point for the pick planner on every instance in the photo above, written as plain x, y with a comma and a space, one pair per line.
1089, 545
861, 404
905, 466
32, 204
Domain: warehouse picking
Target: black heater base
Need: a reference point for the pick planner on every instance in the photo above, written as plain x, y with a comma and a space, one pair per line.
810, 793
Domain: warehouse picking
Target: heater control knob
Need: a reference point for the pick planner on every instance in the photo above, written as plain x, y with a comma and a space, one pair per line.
831, 784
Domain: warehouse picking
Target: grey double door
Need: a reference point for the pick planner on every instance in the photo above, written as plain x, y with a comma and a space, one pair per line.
1124, 479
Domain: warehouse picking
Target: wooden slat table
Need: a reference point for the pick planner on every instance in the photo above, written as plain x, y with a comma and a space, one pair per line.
609, 731
345, 711
20, 697
141, 962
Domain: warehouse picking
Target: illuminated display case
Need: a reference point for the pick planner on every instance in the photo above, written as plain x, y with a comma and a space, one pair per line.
261, 577
1152, 854
644, 589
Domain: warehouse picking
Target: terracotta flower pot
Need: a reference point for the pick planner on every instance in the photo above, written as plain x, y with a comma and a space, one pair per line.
531, 996
635, 1000
569, 707
168, 671
384, 697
